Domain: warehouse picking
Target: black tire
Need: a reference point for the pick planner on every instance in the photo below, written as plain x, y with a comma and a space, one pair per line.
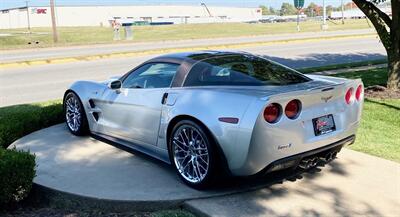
82, 128
210, 174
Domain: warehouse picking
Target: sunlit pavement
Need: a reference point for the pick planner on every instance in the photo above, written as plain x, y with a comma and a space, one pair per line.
90, 170
355, 184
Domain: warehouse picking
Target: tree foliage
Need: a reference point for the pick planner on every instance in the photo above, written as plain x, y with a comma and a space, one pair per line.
267, 10
313, 10
287, 9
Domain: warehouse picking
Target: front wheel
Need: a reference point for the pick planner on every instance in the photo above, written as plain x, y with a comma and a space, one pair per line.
193, 155
75, 116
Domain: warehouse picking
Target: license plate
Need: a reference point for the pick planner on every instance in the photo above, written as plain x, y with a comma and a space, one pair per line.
324, 125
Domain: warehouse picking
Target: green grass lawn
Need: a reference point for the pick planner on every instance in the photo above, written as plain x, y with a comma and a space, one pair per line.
380, 126
93, 35
343, 66
379, 133
370, 77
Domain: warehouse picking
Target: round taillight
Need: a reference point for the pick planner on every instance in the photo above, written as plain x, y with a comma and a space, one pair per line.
359, 92
272, 113
292, 109
348, 96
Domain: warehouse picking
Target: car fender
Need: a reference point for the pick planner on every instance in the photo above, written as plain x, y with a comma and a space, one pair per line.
87, 90
207, 106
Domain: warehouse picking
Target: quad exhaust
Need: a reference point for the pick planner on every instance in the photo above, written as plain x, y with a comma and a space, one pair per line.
307, 163
330, 156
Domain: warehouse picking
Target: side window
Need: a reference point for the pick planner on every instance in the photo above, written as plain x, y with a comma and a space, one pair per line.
152, 75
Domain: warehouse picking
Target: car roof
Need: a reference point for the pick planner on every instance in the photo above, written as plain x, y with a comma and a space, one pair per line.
186, 60
192, 57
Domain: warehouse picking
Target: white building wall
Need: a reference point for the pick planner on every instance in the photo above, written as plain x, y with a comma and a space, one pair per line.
100, 15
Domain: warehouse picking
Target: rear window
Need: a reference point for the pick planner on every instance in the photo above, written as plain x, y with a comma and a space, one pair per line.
241, 70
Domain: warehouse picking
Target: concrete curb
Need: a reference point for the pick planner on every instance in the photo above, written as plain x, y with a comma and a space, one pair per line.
189, 207
66, 200
172, 50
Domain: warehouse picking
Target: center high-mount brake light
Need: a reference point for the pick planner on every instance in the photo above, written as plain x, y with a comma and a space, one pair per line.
292, 109
349, 95
272, 113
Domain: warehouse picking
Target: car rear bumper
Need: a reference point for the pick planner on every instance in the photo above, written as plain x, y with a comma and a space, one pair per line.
294, 160
259, 165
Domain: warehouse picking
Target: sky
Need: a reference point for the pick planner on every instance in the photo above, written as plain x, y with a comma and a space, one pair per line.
4, 4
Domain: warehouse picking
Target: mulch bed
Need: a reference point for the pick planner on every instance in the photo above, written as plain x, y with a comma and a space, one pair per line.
381, 92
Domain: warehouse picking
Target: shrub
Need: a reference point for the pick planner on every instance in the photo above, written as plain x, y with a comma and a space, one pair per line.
20, 120
17, 170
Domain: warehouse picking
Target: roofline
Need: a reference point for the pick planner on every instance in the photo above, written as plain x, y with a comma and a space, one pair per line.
137, 5
15, 8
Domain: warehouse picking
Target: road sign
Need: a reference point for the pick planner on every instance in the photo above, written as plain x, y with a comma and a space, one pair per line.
299, 4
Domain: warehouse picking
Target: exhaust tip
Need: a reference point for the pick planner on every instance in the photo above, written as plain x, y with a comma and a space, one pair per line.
309, 163
330, 156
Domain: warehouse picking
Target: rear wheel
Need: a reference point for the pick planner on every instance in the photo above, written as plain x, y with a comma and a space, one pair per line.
192, 153
75, 116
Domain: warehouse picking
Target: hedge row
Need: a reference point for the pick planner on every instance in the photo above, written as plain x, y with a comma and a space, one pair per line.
17, 170
20, 120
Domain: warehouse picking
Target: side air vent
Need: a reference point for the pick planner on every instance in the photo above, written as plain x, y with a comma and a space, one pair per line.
96, 116
91, 103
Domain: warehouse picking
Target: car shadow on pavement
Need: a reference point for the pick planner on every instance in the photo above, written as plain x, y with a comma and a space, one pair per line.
290, 193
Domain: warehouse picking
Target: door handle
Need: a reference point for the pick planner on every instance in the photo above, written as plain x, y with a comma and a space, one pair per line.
164, 98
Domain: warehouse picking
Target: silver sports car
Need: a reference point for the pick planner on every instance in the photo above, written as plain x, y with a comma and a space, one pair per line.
205, 112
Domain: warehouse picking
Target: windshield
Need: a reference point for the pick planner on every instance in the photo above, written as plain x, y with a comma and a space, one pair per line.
241, 70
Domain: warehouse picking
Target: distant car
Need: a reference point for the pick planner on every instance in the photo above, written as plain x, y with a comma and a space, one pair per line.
207, 111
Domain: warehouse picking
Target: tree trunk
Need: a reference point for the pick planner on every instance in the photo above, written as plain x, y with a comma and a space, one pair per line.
394, 73
394, 57
390, 39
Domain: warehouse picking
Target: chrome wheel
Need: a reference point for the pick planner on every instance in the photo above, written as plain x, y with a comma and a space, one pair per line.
190, 154
73, 113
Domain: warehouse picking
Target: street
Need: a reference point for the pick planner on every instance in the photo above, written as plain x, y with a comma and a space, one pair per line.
45, 82
96, 49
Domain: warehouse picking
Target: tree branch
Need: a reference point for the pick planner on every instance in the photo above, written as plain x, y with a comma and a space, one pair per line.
379, 19
369, 8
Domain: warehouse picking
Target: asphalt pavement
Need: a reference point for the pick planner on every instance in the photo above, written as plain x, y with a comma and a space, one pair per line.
46, 82
85, 50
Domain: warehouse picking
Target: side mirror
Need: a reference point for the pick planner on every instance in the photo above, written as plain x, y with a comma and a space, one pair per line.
115, 85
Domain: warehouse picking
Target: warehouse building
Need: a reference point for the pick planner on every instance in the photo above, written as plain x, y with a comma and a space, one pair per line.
103, 15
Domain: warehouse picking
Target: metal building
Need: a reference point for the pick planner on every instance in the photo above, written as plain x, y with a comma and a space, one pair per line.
102, 15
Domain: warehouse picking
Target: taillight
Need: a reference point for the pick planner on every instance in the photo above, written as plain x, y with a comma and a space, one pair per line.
359, 92
292, 109
348, 96
272, 113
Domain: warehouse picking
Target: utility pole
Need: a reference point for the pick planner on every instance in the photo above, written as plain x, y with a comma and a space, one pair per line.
53, 21
324, 25
342, 13
298, 20
27, 17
